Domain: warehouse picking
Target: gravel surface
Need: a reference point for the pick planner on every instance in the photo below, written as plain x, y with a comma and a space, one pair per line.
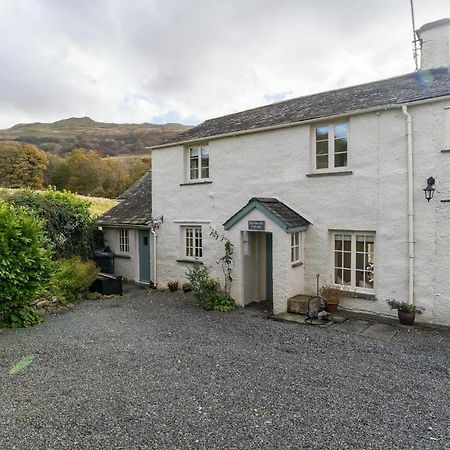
152, 370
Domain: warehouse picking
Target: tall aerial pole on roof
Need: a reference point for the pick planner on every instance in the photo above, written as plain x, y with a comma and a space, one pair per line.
416, 40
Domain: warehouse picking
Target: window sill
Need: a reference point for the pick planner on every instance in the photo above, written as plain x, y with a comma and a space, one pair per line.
296, 264
123, 256
330, 174
364, 296
188, 183
445, 150
189, 261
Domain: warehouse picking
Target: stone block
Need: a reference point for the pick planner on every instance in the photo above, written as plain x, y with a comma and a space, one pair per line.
299, 304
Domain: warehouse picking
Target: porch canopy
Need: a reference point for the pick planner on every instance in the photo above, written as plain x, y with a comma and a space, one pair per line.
285, 217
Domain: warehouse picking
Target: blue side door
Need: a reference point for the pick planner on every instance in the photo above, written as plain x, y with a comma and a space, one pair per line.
144, 256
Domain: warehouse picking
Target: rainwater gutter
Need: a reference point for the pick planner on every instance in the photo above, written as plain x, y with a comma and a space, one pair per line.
410, 206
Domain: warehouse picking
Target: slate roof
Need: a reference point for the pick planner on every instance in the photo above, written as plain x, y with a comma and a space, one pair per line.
135, 208
286, 217
393, 91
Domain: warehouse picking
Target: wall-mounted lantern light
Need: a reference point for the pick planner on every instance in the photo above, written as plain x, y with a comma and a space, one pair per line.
429, 190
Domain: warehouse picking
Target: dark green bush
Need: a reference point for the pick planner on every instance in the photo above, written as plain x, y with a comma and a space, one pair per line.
25, 264
71, 277
206, 290
65, 217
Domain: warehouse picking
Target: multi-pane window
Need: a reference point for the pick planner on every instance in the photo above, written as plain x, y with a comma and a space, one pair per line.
198, 162
331, 145
295, 247
124, 241
193, 242
354, 259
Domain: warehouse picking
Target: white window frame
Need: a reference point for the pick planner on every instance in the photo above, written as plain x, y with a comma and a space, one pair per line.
124, 241
200, 163
192, 242
353, 252
296, 241
331, 147
447, 128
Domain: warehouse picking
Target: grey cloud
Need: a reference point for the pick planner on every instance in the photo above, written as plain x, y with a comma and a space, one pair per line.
131, 61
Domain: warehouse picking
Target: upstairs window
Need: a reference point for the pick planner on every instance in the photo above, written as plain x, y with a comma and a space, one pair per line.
331, 145
124, 241
199, 162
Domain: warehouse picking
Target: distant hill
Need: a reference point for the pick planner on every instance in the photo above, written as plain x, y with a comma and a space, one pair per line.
106, 138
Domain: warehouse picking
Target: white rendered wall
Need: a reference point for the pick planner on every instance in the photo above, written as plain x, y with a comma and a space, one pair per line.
372, 198
127, 265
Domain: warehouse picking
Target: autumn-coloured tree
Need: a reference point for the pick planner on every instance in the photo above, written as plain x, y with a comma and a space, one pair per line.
22, 165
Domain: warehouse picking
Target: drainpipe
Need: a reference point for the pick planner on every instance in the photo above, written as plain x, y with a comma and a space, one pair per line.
155, 280
410, 205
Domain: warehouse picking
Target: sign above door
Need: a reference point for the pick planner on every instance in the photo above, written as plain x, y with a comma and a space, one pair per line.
258, 225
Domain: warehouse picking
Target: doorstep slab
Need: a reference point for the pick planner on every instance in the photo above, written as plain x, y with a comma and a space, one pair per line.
352, 326
381, 331
298, 318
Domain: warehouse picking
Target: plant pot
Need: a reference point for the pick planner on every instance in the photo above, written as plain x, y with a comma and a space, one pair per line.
406, 318
331, 307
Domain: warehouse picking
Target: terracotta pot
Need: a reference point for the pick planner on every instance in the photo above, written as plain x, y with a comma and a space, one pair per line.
331, 307
173, 287
406, 318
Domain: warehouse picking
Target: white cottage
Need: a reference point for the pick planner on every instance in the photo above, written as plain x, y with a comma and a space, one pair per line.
330, 184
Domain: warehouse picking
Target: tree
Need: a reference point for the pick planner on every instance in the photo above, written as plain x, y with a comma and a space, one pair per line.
22, 165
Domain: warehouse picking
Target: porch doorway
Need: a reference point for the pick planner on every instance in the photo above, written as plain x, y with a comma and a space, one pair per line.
144, 256
257, 267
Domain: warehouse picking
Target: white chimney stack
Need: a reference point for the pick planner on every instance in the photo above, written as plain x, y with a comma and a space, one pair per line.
435, 37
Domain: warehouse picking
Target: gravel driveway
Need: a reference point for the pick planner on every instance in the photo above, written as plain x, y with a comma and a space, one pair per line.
152, 370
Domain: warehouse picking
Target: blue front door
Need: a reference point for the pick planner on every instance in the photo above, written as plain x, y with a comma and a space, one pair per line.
144, 256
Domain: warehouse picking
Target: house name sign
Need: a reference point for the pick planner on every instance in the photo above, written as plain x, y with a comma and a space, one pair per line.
258, 225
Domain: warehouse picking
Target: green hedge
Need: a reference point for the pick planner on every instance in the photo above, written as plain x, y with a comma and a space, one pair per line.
25, 264
66, 220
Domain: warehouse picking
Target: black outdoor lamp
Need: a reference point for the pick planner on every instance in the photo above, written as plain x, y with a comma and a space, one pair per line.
429, 190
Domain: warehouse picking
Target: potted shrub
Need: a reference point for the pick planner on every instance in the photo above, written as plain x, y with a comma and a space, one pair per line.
173, 286
332, 296
406, 311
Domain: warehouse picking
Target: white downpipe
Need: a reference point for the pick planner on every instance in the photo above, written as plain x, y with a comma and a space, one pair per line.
410, 206
155, 280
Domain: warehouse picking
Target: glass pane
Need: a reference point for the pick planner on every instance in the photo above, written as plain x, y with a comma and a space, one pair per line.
347, 277
340, 160
292, 255
341, 130
359, 278
369, 247
338, 276
322, 133
322, 162
297, 253
347, 244
338, 242
205, 152
194, 174
359, 243
337, 259
369, 280
194, 163
360, 264
205, 172
194, 152
347, 260
322, 148
340, 145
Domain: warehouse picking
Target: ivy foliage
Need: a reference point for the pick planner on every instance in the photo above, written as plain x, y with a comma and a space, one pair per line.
65, 217
25, 265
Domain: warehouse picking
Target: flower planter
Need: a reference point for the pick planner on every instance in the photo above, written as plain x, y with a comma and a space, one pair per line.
331, 307
406, 318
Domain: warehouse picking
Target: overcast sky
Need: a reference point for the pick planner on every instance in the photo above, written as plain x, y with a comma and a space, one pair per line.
189, 60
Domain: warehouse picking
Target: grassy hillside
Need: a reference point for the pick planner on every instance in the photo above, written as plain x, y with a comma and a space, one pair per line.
106, 138
99, 205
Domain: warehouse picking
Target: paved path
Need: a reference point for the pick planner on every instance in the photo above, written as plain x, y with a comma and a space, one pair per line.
153, 371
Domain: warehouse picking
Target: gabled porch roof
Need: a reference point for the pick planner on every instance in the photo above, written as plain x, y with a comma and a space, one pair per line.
285, 217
